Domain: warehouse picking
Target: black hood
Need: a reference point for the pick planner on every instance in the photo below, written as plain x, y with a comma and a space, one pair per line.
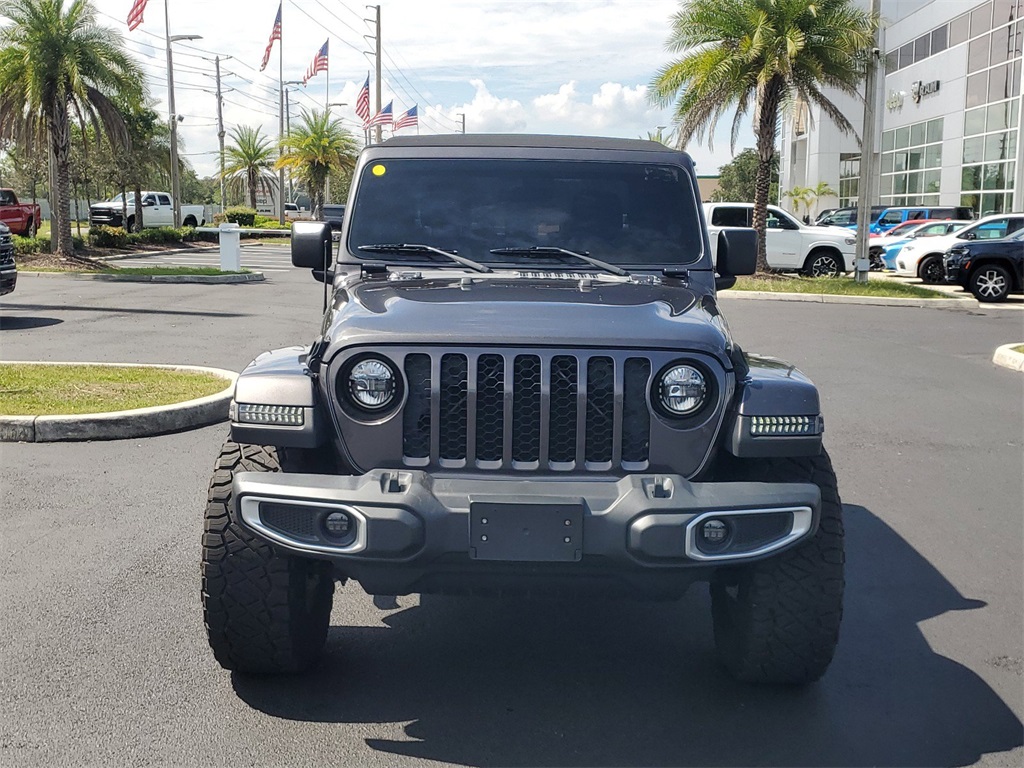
505, 310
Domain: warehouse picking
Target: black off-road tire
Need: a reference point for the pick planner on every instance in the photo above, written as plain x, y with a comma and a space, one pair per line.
266, 612
931, 271
777, 620
190, 221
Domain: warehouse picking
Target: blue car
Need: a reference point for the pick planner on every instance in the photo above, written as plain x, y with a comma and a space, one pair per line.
891, 217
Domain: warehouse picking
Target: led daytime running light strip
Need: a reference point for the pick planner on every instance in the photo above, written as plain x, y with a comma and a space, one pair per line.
289, 415
763, 426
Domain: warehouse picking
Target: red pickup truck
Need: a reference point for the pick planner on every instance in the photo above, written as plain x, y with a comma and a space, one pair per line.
21, 218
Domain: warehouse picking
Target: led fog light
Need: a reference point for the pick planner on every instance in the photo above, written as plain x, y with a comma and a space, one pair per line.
338, 525
714, 532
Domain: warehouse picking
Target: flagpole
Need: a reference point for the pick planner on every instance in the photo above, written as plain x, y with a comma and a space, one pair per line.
280, 129
327, 107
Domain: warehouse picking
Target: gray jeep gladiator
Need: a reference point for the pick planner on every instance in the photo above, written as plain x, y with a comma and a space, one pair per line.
524, 383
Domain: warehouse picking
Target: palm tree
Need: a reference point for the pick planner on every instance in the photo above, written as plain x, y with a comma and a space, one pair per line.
762, 56
318, 147
822, 190
801, 196
249, 160
57, 65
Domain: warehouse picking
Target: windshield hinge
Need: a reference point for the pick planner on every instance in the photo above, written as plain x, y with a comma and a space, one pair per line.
678, 274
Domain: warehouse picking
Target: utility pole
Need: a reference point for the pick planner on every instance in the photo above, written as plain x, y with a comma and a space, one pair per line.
868, 168
220, 138
175, 182
280, 127
380, 103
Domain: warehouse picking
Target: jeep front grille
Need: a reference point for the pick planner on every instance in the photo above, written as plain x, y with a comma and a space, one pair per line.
526, 411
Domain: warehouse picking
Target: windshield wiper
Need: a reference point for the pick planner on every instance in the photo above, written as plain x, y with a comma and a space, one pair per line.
550, 250
419, 248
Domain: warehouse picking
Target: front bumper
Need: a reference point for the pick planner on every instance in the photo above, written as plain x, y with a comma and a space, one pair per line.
8, 278
412, 531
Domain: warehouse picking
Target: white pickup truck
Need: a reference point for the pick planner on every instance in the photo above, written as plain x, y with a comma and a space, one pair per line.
157, 211
791, 245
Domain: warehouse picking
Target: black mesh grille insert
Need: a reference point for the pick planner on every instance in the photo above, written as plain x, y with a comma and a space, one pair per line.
526, 408
453, 419
564, 390
416, 418
600, 408
490, 407
636, 419
299, 522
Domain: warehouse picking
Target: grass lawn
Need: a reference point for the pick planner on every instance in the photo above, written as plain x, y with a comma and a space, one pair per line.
37, 390
841, 286
169, 271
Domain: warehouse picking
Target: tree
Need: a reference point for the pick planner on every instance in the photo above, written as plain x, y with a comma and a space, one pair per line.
319, 146
761, 56
737, 179
57, 65
248, 161
658, 135
801, 196
821, 190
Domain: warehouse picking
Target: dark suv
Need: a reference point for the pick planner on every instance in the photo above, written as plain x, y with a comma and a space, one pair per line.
8, 269
989, 269
523, 383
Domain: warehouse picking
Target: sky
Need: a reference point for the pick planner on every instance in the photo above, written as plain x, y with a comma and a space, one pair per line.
517, 66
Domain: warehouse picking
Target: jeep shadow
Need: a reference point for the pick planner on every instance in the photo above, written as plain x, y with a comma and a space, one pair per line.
607, 682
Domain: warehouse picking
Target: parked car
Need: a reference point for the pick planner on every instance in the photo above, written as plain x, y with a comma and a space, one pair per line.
524, 384
792, 246
8, 269
158, 212
883, 249
846, 217
923, 257
891, 217
292, 212
20, 218
989, 269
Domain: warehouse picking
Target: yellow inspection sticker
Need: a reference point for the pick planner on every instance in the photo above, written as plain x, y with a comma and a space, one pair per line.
379, 170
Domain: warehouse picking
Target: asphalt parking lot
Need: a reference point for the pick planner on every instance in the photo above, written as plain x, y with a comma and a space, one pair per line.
105, 658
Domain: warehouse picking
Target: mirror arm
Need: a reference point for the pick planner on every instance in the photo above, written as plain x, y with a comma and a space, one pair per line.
723, 282
325, 276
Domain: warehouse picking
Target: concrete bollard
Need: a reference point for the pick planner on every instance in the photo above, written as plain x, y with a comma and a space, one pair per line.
230, 247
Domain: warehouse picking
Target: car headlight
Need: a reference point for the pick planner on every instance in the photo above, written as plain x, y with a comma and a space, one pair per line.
682, 390
371, 384
851, 241
908, 247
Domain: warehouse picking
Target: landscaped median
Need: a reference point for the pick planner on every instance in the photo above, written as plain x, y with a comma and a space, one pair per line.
46, 402
840, 290
150, 274
1010, 356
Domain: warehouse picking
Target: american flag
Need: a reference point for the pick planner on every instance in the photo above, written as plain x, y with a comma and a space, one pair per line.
384, 116
319, 63
408, 119
363, 102
135, 14
275, 35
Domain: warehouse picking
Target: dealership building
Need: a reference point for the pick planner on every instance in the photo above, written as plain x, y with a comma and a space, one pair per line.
949, 106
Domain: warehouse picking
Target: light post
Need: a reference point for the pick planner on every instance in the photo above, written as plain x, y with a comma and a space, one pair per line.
327, 190
175, 181
288, 130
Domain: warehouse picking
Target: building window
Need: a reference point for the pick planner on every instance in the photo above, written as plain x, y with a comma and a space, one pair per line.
911, 169
849, 176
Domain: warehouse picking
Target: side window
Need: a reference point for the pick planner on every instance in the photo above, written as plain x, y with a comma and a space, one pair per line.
1015, 226
6, 198
730, 216
917, 215
164, 199
891, 217
941, 213
992, 230
934, 229
149, 200
778, 219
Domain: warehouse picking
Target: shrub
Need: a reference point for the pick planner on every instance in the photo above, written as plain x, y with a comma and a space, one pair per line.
108, 237
25, 246
241, 215
218, 219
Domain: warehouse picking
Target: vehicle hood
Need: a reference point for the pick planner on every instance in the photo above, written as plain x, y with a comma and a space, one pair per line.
831, 232
111, 205
504, 310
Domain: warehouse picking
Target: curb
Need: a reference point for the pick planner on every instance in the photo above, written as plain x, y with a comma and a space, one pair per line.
118, 425
245, 277
827, 298
1007, 357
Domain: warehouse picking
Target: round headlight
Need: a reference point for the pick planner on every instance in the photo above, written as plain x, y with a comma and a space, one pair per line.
682, 390
371, 382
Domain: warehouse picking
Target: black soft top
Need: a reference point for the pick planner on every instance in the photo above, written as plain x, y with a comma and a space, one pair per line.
526, 140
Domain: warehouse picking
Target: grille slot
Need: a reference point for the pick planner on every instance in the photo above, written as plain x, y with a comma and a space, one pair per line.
527, 411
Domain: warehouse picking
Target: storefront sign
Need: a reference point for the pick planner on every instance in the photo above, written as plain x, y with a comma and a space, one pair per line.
919, 89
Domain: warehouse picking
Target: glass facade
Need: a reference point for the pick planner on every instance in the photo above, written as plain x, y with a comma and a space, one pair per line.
849, 175
912, 164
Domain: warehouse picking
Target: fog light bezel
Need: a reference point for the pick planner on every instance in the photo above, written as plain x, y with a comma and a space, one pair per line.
803, 524
249, 510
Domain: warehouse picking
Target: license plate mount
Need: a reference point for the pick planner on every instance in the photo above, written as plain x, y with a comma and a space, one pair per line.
543, 533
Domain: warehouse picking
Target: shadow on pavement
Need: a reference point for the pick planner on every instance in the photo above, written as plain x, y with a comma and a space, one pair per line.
125, 310
27, 323
608, 683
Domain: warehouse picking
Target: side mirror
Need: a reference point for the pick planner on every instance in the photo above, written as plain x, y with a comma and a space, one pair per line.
312, 245
970, 236
737, 252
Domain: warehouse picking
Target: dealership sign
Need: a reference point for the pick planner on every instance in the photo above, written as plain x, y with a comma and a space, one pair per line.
920, 88
894, 100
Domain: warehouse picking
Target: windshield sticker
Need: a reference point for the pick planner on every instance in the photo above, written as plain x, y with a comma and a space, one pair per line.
379, 170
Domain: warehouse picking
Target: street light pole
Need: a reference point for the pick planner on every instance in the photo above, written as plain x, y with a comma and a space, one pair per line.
288, 130
175, 181
327, 190
866, 182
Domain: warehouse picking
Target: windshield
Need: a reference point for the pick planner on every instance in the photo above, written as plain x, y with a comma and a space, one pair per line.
632, 214
129, 198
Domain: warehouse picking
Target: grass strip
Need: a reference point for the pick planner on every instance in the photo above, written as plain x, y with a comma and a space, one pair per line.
836, 286
1019, 348
39, 390
169, 271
